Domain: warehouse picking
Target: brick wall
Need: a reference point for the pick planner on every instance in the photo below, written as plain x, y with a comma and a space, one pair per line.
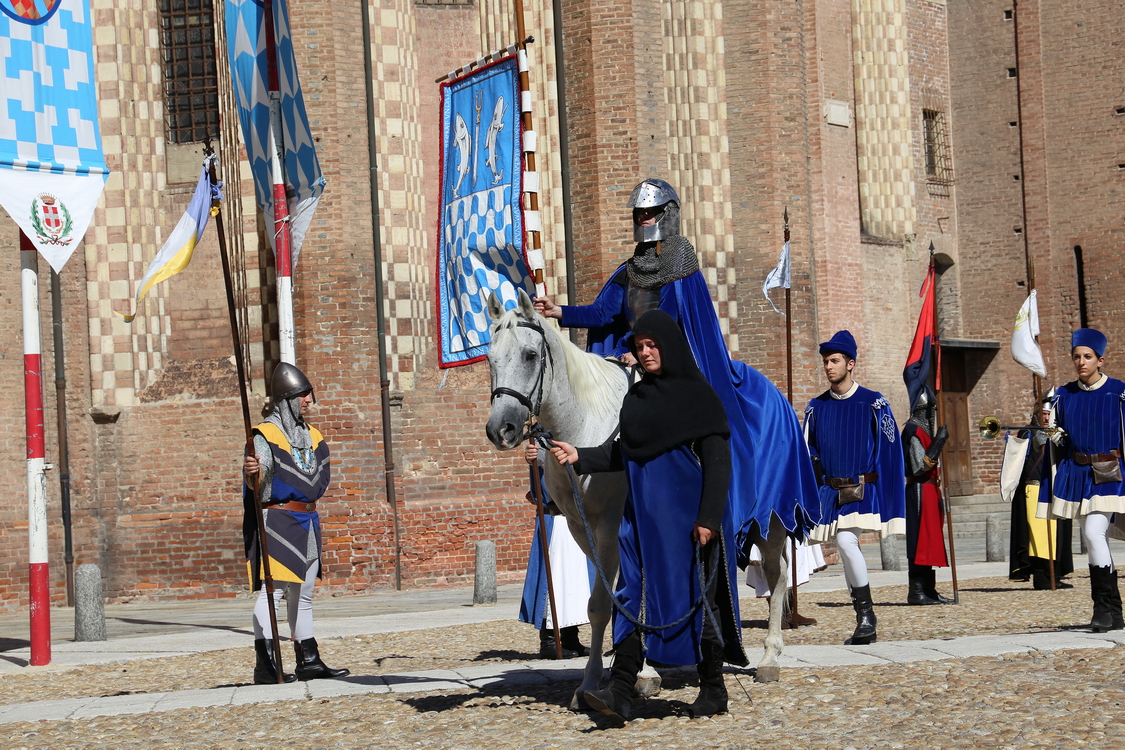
731, 97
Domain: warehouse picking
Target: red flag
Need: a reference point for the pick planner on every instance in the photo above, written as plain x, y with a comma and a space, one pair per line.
917, 370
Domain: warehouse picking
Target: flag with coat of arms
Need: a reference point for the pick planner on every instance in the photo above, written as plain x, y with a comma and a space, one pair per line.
52, 170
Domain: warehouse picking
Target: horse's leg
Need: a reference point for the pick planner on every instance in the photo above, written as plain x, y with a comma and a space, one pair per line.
776, 571
599, 610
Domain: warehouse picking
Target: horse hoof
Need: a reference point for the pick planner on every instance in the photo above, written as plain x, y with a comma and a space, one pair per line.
648, 687
578, 703
767, 674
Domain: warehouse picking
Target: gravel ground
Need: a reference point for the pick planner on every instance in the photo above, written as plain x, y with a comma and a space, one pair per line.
1066, 699
989, 606
1054, 699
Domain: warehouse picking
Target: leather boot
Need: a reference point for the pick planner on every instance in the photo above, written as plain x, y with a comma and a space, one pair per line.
547, 648
309, 665
570, 641
1113, 600
616, 698
865, 620
916, 591
264, 671
931, 588
1102, 618
712, 697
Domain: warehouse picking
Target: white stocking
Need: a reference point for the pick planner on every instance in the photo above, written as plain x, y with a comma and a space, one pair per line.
299, 598
1094, 529
851, 557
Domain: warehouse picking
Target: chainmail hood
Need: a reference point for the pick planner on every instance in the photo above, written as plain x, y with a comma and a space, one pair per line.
287, 416
676, 260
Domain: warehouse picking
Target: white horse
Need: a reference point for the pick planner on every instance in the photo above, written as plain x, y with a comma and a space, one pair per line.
577, 396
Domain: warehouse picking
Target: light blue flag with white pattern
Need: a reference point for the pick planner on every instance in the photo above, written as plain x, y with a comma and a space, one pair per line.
52, 170
249, 64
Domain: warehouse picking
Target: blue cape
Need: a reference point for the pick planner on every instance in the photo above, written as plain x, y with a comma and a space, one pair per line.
772, 474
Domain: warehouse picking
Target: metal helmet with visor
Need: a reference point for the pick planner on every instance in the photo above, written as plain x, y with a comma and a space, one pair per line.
654, 193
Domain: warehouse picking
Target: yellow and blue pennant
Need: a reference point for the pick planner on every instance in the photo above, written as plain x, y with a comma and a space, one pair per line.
177, 251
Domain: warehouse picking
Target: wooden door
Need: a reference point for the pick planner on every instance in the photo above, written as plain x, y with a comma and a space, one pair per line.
958, 465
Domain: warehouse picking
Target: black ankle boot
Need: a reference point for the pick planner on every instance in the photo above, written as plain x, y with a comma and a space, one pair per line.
570, 641
916, 591
712, 698
931, 588
264, 671
616, 699
309, 665
547, 648
865, 620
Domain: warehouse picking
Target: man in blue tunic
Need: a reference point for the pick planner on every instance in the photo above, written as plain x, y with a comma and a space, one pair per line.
852, 437
771, 474
675, 453
1088, 482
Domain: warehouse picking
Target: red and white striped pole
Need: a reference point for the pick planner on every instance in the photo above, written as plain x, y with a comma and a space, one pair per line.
38, 574
282, 252
282, 238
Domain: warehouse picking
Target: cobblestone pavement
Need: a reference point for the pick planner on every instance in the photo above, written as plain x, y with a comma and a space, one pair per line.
1070, 698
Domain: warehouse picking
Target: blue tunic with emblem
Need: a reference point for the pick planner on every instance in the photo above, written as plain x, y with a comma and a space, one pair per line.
850, 437
771, 474
1093, 424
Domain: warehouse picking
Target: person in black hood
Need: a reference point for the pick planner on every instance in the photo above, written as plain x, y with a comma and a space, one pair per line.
674, 449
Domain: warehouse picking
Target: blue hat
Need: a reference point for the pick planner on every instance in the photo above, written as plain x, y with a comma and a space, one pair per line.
843, 342
1096, 340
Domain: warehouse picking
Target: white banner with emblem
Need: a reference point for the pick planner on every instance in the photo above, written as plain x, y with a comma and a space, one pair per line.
50, 146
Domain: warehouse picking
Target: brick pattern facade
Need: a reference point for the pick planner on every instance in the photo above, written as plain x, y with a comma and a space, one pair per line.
728, 99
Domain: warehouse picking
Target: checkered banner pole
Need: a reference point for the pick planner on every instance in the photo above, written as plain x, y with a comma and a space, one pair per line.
52, 173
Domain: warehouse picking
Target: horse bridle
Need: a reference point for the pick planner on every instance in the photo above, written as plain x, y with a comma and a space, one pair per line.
540, 380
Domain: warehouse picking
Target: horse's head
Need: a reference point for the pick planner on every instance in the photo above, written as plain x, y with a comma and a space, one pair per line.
518, 358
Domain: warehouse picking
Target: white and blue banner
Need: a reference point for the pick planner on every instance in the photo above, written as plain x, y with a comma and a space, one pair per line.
250, 71
481, 229
52, 170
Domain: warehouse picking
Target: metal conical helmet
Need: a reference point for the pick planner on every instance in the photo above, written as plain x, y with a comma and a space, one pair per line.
287, 382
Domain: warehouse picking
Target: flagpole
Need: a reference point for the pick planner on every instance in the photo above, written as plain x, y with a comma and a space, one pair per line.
282, 238
540, 288
240, 367
38, 570
789, 394
941, 420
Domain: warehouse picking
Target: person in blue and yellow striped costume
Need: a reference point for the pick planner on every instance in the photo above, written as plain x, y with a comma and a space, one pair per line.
291, 459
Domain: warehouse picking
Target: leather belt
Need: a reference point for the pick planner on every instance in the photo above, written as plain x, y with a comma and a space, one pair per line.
921, 480
839, 483
1085, 459
293, 505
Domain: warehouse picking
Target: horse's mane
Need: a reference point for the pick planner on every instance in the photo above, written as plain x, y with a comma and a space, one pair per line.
595, 381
